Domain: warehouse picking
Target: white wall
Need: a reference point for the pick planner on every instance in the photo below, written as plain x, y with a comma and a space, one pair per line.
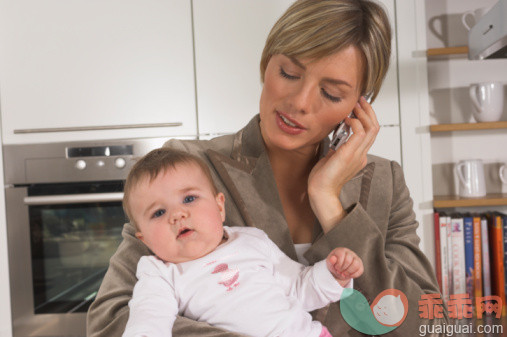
411, 35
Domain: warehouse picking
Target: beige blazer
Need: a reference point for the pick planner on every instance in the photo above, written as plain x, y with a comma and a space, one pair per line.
380, 227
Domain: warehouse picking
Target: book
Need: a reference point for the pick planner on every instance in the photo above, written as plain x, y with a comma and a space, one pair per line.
468, 229
495, 225
486, 270
458, 254
477, 274
444, 256
438, 250
449, 255
504, 219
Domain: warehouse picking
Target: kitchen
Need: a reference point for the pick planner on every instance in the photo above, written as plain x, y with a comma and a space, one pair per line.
39, 92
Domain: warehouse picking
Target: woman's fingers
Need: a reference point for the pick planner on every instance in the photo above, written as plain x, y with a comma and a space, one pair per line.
365, 128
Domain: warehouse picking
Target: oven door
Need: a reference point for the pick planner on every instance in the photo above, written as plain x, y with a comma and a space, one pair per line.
61, 237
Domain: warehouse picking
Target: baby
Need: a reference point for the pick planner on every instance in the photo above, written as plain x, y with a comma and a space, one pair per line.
234, 278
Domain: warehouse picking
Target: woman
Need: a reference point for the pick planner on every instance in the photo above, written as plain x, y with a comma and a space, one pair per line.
277, 174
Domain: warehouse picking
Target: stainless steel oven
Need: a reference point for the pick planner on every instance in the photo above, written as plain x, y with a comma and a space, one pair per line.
64, 221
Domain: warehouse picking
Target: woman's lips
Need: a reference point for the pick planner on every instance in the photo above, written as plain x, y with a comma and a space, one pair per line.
288, 125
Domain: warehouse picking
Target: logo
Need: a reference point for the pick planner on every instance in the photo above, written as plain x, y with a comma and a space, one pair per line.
387, 312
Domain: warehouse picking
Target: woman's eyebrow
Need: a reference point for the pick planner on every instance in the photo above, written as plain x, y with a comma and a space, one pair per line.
297, 62
326, 79
336, 81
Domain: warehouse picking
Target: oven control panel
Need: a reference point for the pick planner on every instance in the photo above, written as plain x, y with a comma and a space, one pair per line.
75, 161
99, 152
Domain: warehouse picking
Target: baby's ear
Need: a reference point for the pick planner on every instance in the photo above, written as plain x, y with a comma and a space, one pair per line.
220, 198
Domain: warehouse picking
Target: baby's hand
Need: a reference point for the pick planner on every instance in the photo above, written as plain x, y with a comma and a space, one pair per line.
344, 264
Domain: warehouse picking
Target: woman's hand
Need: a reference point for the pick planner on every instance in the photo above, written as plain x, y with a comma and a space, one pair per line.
330, 174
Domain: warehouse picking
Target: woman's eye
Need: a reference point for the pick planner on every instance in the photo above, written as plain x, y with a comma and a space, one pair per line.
287, 76
330, 97
189, 198
158, 213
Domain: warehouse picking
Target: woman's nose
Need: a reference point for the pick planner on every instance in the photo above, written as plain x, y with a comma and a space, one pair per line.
301, 98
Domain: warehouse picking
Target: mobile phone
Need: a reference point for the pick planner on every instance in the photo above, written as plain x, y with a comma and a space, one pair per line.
341, 134
342, 131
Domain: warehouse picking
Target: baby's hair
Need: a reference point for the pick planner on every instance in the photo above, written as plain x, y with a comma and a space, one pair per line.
155, 162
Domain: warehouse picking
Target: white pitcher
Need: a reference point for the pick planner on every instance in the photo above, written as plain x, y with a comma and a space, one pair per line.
487, 98
472, 182
503, 173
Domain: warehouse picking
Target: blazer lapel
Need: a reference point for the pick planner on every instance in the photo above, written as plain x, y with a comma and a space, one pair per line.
248, 177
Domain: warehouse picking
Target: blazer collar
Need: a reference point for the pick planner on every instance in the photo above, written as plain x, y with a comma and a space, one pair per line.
249, 145
248, 170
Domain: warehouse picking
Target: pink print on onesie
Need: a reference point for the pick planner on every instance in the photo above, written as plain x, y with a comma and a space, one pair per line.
228, 277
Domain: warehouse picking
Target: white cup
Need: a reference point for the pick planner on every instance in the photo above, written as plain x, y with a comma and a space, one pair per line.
470, 174
503, 173
473, 16
487, 99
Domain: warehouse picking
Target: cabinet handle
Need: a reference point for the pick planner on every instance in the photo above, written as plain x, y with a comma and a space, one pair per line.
97, 128
73, 198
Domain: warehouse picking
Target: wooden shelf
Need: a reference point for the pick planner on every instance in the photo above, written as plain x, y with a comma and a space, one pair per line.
468, 126
447, 51
450, 201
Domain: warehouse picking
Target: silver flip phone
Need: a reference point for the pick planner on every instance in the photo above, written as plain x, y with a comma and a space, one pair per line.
340, 134
342, 131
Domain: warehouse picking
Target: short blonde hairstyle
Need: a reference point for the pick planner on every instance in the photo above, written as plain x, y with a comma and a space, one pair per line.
315, 29
152, 164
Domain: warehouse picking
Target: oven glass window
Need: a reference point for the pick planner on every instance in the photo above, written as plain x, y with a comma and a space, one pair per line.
71, 247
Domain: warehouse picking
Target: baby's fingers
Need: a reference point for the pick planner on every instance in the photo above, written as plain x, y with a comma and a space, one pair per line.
348, 259
355, 269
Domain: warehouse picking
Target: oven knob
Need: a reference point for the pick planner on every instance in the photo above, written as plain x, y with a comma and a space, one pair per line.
80, 164
120, 163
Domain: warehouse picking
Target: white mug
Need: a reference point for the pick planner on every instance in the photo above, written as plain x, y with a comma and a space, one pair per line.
475, 14
503, 173
487, 99
472, 182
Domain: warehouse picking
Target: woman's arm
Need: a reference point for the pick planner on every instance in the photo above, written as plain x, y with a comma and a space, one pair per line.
389, 249
332, 172
108, 314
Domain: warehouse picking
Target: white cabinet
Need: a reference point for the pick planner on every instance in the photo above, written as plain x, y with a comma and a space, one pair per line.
66, 64
388, 144
229, 39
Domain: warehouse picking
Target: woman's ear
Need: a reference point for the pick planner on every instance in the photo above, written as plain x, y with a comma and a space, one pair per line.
220, 198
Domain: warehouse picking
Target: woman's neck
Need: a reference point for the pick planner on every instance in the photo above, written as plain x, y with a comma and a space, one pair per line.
292, 166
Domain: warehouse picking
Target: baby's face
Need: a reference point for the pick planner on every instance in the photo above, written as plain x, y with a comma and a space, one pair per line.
178, 215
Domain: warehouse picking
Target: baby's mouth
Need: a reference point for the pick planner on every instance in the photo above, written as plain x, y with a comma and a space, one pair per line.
184, 232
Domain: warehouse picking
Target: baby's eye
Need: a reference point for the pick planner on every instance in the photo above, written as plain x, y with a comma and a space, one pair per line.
189, 199
158, 213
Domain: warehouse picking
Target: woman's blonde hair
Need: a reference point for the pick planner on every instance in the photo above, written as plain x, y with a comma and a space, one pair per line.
314, 29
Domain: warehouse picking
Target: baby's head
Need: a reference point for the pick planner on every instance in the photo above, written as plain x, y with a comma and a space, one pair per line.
170, 198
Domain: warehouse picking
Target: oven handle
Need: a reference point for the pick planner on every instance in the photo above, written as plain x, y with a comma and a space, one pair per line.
73, 198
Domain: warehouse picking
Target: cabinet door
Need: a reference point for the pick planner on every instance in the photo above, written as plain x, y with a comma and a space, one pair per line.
229, 39
67, 64
387, 105
388, 143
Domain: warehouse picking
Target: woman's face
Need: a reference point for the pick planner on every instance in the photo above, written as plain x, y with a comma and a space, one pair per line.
302, 100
